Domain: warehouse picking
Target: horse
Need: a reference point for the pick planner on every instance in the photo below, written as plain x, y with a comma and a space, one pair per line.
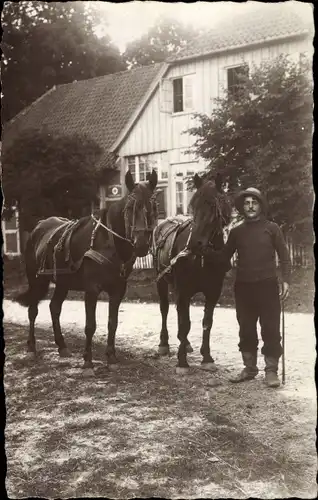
181, 256
100, 255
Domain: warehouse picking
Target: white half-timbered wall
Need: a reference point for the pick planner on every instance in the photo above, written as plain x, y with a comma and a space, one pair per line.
160, 130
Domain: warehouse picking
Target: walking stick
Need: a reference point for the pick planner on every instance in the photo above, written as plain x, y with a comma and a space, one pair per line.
283, 344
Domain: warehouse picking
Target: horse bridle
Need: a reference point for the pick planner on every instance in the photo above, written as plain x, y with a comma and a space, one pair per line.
218, 215
129, 229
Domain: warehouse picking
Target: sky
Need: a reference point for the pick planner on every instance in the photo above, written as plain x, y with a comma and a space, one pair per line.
130, 20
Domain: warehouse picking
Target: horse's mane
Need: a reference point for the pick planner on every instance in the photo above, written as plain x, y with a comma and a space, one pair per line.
207, 194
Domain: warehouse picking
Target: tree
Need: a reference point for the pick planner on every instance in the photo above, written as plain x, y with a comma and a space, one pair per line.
166, 38
50, 43
48, 174
262, 136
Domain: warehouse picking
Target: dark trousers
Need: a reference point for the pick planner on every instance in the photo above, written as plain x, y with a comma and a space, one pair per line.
259, 301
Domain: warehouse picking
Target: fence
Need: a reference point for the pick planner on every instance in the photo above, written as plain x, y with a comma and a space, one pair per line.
300, 256
144, 262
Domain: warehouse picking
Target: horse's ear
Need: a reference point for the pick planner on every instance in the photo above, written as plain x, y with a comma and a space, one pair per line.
129, 181
218, 182
152, 180
197, 180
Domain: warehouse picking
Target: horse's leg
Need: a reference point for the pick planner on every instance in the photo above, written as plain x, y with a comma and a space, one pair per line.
56, 303
184, 324
163, 292
31, 344
113, 306
38, 287
90, 327
207, 361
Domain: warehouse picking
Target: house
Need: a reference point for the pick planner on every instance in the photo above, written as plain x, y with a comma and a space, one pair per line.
140, 117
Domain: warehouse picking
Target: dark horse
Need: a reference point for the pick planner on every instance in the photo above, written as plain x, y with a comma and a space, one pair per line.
181, 255
103, 253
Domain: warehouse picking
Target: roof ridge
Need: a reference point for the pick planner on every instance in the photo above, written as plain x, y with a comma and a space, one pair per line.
117, 73
227, 33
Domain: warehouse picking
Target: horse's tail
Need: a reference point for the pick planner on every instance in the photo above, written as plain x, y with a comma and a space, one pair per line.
38, 286
36, 292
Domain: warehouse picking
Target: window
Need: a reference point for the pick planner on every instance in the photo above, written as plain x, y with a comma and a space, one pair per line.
235, 80
183, 94
140, 166
177, 95
11, 236
144, 168
132, 166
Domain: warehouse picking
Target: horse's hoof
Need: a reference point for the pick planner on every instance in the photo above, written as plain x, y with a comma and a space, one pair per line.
189, 348
65, 353
163, 350
114, 367
88, 372
31, 356
182, 370
209, 367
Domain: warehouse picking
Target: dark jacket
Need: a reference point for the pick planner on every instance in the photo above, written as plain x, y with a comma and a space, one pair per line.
256, 243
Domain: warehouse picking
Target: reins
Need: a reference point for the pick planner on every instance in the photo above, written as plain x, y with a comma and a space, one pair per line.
97, 256
183, 253
99, 223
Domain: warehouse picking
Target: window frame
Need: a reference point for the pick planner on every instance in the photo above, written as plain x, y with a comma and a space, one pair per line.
181, 173
233, 90
15, 231
185, 109
152, 158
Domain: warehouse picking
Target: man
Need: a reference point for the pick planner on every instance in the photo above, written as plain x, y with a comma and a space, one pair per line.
256, 286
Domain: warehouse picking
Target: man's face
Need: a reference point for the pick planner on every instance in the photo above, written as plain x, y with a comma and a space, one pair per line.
251, 207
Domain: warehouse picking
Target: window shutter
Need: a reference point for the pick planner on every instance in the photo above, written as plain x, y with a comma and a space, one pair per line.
222, 82
188, 92
166, 95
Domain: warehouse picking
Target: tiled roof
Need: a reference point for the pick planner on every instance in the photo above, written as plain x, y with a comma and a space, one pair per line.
251, 25
98, 107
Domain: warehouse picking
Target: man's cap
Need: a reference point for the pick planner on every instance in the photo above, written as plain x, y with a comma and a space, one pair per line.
251, 191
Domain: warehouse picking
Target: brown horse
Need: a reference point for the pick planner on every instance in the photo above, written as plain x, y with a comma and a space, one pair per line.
89, 255
180, 249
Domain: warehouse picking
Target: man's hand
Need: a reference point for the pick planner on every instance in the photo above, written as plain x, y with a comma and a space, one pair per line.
284, 291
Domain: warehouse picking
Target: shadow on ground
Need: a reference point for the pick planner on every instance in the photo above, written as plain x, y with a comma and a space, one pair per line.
141, 431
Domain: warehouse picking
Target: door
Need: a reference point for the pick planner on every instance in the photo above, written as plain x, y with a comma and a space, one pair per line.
181, 194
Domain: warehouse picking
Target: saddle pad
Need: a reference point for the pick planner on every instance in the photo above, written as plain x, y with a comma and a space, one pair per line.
164, 238
52, 246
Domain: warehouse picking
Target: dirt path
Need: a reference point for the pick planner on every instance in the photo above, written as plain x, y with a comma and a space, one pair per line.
145, 432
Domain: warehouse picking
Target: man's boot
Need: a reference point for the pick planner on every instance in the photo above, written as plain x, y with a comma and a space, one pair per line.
250, 371
271, 368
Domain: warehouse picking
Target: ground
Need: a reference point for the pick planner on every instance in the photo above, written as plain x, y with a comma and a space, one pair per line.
144, 431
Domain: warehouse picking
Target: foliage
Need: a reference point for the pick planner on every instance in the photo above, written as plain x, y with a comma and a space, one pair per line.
48, 175
263, 138
50, 43
166, 38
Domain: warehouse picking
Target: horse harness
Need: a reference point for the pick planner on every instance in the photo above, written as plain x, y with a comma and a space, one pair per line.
63, 243
129, 229
185, 252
